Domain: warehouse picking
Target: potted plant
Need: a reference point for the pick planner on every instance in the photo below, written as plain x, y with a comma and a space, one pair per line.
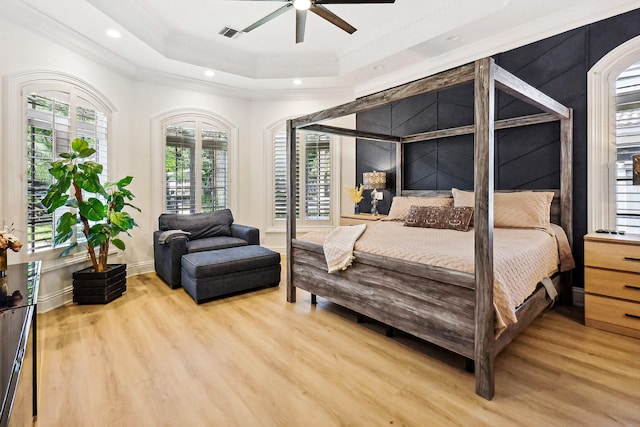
98, 209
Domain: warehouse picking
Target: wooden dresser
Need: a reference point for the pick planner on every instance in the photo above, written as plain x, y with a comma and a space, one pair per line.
355, 219
612, 283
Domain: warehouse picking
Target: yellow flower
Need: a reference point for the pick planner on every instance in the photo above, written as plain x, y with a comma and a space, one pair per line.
356, 193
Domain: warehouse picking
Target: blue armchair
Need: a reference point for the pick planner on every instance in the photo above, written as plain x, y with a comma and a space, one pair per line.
180, 234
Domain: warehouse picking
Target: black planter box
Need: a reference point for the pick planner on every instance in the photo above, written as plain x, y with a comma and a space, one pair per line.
90, 287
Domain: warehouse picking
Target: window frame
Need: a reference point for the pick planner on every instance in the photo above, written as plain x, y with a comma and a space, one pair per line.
158, 125
279, 225
199, 147
601, 133
18, 87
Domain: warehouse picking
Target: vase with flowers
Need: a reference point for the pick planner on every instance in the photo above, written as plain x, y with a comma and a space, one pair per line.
356, 196
8, 240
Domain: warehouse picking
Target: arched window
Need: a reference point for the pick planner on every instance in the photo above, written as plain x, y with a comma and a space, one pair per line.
196, 158
45, 111
605, 184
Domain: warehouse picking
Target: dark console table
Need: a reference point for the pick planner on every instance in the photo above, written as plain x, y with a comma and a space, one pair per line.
18, 307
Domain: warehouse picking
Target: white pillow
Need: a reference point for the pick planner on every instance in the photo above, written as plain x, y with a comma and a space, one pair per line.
518, 209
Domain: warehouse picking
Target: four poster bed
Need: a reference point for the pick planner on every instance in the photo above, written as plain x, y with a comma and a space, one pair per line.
449, 307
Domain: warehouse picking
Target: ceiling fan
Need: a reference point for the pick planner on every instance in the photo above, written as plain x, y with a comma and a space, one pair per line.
316, 6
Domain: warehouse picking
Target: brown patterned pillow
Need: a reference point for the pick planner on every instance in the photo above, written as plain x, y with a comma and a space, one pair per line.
400, 205
447, 217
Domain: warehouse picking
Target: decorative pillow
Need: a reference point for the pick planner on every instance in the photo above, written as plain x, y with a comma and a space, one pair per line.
400, 205
518, 209
447, 217
200, 225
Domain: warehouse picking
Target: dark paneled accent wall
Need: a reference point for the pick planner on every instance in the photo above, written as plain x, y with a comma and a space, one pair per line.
526, 158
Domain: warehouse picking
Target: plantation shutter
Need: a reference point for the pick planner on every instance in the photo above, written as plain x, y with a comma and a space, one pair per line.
179, 164
214, 170
91, 125
627, 145
49, 126
315, 164
317, 176
196, 168
280, 177
48, 129
627, 194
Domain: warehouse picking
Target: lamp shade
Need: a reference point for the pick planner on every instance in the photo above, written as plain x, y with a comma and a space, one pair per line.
374, 180
636, 169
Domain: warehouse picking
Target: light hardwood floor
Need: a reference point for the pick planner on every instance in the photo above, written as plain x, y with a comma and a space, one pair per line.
155, 358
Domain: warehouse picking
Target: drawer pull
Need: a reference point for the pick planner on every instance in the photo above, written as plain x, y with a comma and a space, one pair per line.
630, 258
633, 316
637, 288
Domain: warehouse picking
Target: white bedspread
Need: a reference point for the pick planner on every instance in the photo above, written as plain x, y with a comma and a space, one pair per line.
522, 257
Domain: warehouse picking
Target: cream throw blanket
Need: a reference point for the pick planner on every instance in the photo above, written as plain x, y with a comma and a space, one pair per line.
338, 246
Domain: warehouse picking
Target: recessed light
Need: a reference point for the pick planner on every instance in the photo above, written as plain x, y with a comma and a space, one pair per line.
114, 33
452, 38
297, 82
377, 67
209, 73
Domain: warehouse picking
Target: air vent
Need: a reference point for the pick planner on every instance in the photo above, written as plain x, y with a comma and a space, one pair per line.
230, 33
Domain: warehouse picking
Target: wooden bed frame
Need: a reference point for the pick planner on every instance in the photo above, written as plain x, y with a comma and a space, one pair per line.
449, 308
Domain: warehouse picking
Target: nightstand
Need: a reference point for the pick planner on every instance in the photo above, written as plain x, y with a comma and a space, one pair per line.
355, 219
612, 283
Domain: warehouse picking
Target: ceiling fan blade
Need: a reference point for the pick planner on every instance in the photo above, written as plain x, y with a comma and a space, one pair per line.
268, 18
301, 22
353, 1
325, 13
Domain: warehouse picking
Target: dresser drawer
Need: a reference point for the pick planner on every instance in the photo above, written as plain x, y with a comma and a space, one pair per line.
618, 314
613, 256
616, 284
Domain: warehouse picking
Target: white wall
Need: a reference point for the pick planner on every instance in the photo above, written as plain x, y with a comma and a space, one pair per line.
137, 103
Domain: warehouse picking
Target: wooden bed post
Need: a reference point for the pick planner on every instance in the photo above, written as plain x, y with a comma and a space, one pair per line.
484, 88
291, 206
399, 165
566, 175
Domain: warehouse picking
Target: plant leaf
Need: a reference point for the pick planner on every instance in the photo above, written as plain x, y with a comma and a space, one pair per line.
86, 153
79, 144
97, 236
53, 200
64, 228
118, 244
124, 182
70, 249
122, 220
92, 209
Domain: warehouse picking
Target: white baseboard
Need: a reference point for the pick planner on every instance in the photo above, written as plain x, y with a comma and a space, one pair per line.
60, 297
55, 299
140, 268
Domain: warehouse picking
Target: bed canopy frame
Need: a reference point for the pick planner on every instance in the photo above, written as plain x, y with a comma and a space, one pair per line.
482, 347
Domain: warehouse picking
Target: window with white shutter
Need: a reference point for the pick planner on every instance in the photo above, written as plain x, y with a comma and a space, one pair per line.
627, 195
314, 162
54, 118
196, 167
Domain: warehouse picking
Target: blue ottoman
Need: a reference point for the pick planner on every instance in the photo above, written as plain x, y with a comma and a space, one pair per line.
211, 274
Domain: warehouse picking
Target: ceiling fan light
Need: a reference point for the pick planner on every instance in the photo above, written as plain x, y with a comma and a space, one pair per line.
302, 4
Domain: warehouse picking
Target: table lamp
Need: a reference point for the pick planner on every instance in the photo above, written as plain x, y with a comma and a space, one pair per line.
373, 181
